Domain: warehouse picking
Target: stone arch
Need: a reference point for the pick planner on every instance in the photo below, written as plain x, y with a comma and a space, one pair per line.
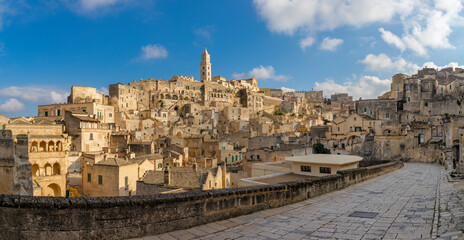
51, 146
168, 96
34, 146
56, 169
42, 146
53, 190
174, 97
35, 170
48, 169
186, 98
162, 96
59, 146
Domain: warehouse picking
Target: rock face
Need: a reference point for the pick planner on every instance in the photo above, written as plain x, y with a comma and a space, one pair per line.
26, 217
15, 168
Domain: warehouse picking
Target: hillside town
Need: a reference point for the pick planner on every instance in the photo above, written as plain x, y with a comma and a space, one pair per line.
166, 136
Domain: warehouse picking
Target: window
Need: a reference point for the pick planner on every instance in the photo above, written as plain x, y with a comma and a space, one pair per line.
58, 112
387, 115
111, 115
91, 136
409, 87
160, 165
46, 113
409, 99
305, 168
421, 138
126, 183
365, 109
427, 86
89, 177
351, 128
339, 129
397, 87
100, 180
325, 170
226, 158
450, 87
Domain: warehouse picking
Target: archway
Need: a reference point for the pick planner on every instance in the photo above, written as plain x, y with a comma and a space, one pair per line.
42, 146
35, 170
59, 146
51, 146
56, 169
53, 190
48, 169
34, 146
175, 97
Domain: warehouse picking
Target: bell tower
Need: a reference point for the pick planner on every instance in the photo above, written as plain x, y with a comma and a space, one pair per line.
205, 67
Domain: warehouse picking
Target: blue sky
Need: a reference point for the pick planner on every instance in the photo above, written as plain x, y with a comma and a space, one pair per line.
46, 46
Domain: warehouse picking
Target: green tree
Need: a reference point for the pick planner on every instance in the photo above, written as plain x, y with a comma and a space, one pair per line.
318, 148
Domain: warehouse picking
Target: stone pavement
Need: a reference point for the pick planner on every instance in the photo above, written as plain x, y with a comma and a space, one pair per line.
398, 205
451, 210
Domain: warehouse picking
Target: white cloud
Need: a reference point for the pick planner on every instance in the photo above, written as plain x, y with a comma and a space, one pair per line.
204, 32
152, 51
95, 4
289, 16
429, 28
383, 63
426, 24
103, 90
433, 65
330, 44
306, 42
262, 73
11, 105
365, 87
286, 89
42, 95
392, 39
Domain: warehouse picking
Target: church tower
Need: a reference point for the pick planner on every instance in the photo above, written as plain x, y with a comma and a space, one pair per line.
205, 67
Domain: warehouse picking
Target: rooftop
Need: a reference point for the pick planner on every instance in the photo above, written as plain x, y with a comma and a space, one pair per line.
330, 159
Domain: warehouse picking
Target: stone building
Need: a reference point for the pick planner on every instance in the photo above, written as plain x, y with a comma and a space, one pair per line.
48, 151
114, 176
191, 178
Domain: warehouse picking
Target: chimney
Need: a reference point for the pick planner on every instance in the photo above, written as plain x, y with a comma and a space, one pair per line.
167, 175
195, 166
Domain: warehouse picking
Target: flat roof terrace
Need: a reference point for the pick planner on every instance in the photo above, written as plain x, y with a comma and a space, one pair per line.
326, 159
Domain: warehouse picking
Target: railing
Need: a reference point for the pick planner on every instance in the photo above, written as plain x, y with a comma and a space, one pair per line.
47, 154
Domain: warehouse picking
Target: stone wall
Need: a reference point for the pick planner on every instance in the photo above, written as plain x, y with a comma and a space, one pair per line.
25, 217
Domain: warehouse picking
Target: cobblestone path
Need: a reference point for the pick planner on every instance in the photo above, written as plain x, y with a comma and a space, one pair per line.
398, 205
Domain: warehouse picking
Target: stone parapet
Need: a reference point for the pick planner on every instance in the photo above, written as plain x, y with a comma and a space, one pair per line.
26, 217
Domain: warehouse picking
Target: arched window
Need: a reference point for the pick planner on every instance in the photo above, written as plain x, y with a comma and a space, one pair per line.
34, 146
43, 146
56, 169
48, 169
51, 146
160, 165
35, 170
